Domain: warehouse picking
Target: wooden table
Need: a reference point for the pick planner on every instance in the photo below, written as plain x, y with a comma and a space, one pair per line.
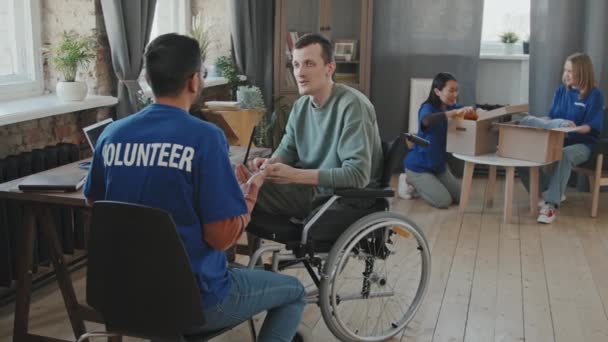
509, 164
38, 205
236, 124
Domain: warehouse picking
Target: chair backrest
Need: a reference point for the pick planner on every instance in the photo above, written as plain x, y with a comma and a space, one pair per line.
139, 277
394, 152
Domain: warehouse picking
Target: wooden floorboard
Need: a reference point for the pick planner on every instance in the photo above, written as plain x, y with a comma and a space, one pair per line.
489, 281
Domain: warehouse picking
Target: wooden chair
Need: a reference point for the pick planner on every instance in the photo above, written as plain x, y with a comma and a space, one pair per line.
596, 168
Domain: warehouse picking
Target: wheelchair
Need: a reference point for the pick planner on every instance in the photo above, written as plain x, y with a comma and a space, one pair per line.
370, 266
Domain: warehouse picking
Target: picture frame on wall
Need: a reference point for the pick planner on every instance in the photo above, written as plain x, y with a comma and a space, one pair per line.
345, 50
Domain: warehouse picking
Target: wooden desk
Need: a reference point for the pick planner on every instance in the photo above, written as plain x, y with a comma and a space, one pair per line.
38, 205
509, 164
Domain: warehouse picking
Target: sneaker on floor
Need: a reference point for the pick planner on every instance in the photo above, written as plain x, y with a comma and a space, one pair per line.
406, 191
543, 203
547, 214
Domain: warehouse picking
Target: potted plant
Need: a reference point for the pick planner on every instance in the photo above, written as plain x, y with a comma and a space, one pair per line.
201, 35
68, 56
509, 39
227, 69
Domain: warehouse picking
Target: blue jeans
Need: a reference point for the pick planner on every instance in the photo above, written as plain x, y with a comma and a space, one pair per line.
555, 183
255, 291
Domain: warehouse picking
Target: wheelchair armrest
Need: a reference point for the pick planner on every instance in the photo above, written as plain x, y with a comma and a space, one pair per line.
365, 193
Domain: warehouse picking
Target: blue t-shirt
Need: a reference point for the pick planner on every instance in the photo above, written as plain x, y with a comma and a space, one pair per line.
165, 158
588, 111
431, 158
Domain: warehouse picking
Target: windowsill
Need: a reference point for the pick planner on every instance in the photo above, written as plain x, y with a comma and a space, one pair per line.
210, 81
514, 57
47, 105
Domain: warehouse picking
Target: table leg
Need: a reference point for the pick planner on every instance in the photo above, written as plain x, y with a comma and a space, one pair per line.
509, 182
24, 276
467, 180
534, 190
491, 186
63, 276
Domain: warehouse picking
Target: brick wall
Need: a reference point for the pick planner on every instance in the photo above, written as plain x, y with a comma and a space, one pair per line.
80, 16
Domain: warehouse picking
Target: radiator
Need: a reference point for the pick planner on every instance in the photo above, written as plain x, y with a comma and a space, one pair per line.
69, 222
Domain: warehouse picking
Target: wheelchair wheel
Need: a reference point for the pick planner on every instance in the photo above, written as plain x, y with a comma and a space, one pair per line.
375, 278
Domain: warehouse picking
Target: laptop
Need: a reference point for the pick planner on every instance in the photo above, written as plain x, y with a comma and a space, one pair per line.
63, 182
93, 132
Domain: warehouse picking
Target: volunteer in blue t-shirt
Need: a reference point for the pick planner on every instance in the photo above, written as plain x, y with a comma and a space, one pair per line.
580, 101
165, 158
426, 167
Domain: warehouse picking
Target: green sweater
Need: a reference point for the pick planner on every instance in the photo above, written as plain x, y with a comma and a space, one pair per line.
340, 139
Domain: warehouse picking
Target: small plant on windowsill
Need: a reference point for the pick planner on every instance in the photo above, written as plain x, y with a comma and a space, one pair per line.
73, 52
509, 39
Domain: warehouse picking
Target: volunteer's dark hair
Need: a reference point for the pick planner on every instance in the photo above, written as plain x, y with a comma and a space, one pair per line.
170, 60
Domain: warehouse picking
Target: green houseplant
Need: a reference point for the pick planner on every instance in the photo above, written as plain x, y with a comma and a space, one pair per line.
73, 52
509, 39
227, 69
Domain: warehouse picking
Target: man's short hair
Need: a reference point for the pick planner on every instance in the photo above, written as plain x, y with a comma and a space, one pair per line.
327, 51
170, 60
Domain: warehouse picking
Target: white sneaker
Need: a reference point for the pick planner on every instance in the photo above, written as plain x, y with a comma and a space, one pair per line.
543, 203
406, 191
547, 214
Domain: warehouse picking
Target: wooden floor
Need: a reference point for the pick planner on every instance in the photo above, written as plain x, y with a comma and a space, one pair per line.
490, 281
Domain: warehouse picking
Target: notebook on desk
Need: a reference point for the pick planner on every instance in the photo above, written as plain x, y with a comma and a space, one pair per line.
66, 181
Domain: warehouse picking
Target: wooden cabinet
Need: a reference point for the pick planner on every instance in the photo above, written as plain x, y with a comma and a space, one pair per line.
347, 23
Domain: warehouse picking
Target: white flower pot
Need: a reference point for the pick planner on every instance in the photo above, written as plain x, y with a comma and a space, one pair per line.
511, 48
71, 91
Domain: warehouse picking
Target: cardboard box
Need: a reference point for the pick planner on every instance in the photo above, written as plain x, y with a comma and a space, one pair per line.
478, 137
539, 145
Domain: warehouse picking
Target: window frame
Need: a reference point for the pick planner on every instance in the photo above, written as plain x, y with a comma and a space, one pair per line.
29, 79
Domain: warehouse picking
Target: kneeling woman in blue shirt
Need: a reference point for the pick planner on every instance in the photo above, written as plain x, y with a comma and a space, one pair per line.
426, 167
580, 101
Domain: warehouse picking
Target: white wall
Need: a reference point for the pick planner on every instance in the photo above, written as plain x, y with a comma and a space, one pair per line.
503, 79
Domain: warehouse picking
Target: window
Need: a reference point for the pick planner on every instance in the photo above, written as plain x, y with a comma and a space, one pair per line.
500, 17
20, 56
171, 16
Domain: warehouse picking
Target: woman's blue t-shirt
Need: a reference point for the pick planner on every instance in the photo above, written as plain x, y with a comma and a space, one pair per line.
431, 158
163, 157
588, 111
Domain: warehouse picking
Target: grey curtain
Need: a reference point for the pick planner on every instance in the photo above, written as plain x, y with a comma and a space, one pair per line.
413, 38
559, 28
252, 31
128, 24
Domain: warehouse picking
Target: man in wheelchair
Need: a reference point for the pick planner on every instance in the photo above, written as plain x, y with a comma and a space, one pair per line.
165, 158
331, 140
326, 199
